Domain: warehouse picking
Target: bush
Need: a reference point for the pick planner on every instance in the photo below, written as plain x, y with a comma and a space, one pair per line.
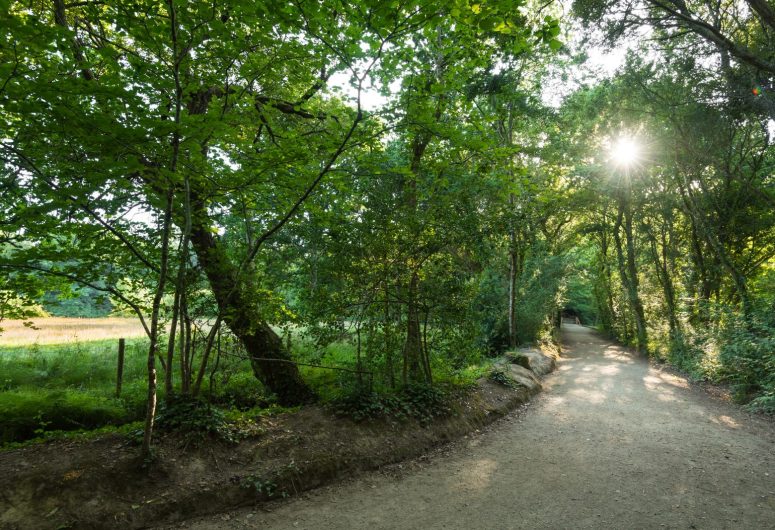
196, 419
420, 402
763, 403
747, 354
242, 391
498, 375
739, 352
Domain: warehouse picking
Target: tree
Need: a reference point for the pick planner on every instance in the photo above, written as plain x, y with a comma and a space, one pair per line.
234, 105
740, 29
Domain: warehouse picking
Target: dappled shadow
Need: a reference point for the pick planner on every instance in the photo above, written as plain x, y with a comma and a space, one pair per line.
594, 372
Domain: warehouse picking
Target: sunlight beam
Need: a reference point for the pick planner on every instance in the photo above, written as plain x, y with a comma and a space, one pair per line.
625, 152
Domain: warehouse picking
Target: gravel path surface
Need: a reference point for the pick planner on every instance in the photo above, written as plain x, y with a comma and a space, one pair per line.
610, 443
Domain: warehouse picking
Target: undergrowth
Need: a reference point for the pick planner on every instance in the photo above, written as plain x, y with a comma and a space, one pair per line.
196, 420
740, 353
128, 429
29, 413
419, 402
49, 390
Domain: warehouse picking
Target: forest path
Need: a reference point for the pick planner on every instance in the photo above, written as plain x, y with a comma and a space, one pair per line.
610, 443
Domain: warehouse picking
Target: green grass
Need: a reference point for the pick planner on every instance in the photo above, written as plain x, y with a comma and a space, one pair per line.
47, 390
65, 390
133, 429
27, 413
68, 387
328, 383
78, 365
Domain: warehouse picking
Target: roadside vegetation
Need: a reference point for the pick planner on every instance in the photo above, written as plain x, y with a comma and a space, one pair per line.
68, 389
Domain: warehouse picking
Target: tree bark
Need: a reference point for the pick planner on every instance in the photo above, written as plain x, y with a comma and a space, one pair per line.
699, 275
637, 304
610, 313
168, 380
270, 361
426, 354
413, 364
662, 270
412, 352
150, 413
513, 273
388, 342
628, 272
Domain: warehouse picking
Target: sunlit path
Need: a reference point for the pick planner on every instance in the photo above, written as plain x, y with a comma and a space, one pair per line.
612, 443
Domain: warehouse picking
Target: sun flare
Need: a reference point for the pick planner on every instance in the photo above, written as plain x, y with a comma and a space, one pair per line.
625, 151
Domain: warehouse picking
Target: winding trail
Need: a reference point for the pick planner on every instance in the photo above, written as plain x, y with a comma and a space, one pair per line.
610, 443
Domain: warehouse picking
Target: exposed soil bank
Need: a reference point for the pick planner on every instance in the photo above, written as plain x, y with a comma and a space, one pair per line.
97, 484
612, 443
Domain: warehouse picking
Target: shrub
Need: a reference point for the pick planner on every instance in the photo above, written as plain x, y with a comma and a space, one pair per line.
498, 375
747, 354
420, 402
242, 391
195, 419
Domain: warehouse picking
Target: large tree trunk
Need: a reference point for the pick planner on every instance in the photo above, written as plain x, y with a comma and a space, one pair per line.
512, 296
270, 359
413, 351
664, 275
628, 272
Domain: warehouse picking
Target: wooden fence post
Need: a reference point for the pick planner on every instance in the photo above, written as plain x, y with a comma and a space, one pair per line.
120, 374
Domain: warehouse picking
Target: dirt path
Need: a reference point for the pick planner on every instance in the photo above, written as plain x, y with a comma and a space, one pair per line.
611, 443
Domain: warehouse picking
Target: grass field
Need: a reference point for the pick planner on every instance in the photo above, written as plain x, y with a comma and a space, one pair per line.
55, 330
62, 376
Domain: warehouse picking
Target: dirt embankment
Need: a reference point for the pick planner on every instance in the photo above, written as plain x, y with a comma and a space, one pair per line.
97, 484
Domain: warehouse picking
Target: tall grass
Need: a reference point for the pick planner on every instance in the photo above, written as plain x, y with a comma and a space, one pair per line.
68, 386
63, 376
71, 384
53, 330
75, 365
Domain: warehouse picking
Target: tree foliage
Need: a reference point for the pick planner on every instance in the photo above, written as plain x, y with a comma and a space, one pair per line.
216, 168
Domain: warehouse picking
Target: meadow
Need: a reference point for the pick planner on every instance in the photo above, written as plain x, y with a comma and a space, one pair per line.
59, 378
54, 330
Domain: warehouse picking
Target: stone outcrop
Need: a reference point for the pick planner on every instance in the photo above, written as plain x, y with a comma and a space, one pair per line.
535, 360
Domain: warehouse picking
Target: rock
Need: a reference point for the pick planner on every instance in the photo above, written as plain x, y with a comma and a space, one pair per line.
524, 377
536, 361
520, 375
521, 360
